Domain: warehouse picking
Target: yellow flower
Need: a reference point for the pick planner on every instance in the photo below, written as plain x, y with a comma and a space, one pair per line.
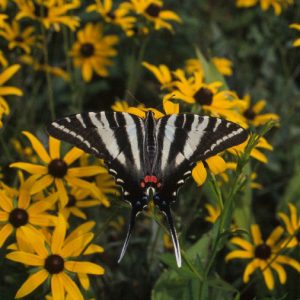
57, 170
296, 26
251, 113
24, 39
51, 13
162, 74
118, 16
56, 261
223, 65
292, 225
218, 103
213, 213
152, 11
277, 5
39, 67
92, 51
7, 90
15, 215
264, 255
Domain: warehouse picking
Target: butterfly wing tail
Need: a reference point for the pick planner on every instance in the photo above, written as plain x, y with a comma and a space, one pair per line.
133, 215
167, 212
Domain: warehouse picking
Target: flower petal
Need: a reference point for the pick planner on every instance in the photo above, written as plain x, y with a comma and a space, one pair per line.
57, 288
242, 243
85, 171
84, 267
41, 184
256, 234
275, 236
199, 173
250, 269
84, 280
36, 239
216, 164
54, 148
72, 155
5, 232
8, 73
6, 203
58, 236
238, 254
288, 261
80, 230
32, 283
77, 245
92, 249
71, 288
30, 168
26, 258
280, 271
269, 278
38, 147
62, 192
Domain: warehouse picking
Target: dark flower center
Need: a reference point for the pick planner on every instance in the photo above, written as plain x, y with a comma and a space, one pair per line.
54, 264
71, 201
263, 251
111, 15
18, 217
57, 168
87, 49
41, 11
204, 96
153, 10
249, 114
19, 39
297, 235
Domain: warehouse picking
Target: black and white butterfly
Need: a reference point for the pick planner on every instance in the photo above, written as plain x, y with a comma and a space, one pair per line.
149, 157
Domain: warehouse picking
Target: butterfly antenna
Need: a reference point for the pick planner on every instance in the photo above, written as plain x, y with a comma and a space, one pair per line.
167, 212
129, 232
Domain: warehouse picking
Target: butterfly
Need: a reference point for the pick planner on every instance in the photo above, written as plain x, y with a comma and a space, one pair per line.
149, 158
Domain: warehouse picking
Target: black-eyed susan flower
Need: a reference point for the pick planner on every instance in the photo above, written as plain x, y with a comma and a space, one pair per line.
252, 112
162, 73
265, 5
118, 16
7, 90
255, 152
93, 50
292, 225
18, 38
22, 212
56, 170
55, 261
123, 106
42, 67
51, 13
296, 26
153, 11
213, 213
223, 65
263, 255
193, 90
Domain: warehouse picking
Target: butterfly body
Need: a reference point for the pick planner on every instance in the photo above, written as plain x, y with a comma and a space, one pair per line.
149, 157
